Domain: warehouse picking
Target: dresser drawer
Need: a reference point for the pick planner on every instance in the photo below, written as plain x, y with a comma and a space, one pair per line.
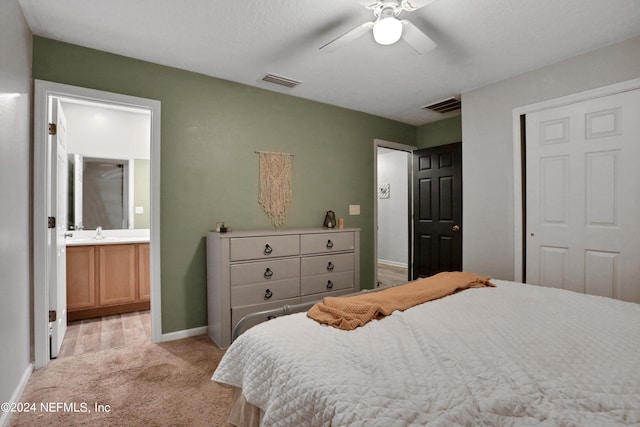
326, 242
238, 313
265, 292
326, 264
326, 282
244, 248
264, 271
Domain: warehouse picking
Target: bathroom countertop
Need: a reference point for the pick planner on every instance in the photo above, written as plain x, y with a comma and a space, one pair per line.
110, 237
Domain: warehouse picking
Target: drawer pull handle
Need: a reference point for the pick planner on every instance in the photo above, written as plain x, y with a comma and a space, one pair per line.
330, 266
268, 273
268, 294
329, 284
329, 244
267, 249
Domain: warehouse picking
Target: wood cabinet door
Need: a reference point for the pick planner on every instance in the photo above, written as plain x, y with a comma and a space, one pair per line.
144, 269
117, 267
81, 277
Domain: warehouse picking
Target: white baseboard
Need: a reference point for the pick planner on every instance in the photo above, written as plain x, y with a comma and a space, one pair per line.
17, 394
185, 333
393, 263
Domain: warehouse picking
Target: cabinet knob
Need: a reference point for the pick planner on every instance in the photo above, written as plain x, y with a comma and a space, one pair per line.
329, 244
329, 284
330, 266
268, 294
268, 273
267, 249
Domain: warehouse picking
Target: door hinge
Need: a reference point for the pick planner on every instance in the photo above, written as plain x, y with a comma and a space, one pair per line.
53, 129
51, 222
52, 315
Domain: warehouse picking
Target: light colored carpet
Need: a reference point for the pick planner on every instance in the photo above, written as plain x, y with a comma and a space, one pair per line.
165, 384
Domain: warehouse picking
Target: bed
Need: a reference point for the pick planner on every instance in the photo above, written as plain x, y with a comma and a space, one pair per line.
513, 354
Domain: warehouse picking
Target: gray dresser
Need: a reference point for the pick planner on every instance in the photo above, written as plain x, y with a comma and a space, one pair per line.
251, 271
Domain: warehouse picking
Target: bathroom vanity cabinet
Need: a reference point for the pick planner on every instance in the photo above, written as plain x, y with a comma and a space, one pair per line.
107, 279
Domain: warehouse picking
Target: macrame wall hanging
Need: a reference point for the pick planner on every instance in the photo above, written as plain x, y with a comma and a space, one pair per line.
275, 185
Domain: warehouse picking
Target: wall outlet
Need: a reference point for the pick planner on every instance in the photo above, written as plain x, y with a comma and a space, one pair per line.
354, 209
139, 209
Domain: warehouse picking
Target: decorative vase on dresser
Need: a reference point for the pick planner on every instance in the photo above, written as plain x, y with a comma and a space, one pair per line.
253, 271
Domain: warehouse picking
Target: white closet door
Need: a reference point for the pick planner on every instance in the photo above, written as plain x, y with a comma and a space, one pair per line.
583, 196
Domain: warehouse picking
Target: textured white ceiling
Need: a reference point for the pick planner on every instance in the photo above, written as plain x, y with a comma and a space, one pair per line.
479, 42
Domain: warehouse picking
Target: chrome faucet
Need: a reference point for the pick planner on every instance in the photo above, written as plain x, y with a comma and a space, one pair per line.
99, 233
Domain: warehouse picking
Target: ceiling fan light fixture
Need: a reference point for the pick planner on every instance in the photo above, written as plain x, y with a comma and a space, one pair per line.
387, 30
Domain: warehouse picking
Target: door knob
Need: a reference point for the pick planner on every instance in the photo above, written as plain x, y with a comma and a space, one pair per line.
455, 228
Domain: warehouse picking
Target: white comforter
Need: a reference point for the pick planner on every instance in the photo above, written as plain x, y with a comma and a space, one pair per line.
511, 355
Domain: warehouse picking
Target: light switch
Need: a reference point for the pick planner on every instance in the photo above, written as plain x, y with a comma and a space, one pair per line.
354, 209
139, 209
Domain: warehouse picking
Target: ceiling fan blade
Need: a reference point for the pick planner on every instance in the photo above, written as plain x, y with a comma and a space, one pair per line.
418, 40
369, 4
347, 37
410, 5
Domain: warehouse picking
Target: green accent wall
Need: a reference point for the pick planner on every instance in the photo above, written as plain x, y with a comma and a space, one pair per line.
442, 132
210, 130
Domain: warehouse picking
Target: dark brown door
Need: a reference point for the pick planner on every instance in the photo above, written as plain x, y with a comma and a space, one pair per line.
437, 186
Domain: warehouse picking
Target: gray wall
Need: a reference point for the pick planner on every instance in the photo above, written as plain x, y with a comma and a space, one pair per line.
15, 185
487, 146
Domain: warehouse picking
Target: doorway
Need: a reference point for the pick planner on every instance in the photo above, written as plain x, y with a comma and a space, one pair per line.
47, 261
392, 208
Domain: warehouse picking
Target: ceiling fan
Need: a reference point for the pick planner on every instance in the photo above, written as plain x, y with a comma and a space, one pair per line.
387, 28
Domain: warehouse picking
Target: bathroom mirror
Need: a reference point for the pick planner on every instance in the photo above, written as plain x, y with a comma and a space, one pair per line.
107, 193
98, 193
109, 166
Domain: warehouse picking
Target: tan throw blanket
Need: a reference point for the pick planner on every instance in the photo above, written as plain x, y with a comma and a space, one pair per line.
348, 313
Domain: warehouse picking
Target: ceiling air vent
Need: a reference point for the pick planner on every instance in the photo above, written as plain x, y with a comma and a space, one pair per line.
279, 80
444, 106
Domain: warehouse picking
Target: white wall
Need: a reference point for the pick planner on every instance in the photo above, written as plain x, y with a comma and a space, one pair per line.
106, 132
15, 212
393, 239
487, 146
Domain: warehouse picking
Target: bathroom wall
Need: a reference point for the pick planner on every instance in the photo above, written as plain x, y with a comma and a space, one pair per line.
106, 132
141, 193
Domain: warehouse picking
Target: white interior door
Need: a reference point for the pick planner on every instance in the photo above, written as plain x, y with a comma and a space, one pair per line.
583, 196
58, 198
